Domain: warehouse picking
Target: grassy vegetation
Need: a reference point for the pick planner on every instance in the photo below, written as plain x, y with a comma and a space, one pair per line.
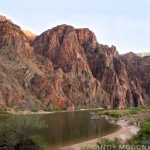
20, 109
143, 136
127, 114
4, 111
137, 116
48, 109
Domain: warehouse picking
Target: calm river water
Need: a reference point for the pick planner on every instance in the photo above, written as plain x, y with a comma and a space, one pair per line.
67, 128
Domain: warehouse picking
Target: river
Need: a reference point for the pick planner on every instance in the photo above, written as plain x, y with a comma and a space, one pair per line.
67, 128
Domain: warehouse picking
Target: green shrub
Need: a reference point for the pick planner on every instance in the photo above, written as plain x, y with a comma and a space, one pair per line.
5, 109
47, 109
18, 133
144, 131
64, 108
56, 109
38, 142
134, 111
131, 122
1, 109
34, 110
142, 137
147, 119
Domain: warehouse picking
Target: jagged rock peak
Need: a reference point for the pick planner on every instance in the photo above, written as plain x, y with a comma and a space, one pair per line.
6, 27
13, 37
85, 35
31, 36
3, 18
61, 45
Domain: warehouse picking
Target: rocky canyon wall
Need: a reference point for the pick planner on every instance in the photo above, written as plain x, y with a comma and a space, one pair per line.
67, 67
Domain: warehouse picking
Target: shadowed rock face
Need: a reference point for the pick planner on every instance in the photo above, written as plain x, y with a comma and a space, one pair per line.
65, 66
138, 68
109, 69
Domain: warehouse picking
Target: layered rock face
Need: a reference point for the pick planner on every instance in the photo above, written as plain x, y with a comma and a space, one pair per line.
77, 52
138, 68
13, 41
67, 67
13, 45
108, 68
73, 80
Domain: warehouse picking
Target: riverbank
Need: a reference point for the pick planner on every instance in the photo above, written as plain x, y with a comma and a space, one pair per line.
28, 112
125, 132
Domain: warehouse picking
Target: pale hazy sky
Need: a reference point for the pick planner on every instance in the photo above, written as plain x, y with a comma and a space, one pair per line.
123, 23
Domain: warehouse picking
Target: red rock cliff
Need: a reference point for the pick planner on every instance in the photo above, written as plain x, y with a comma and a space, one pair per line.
65, 66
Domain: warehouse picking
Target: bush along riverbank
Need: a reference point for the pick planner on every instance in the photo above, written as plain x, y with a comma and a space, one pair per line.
18, 133
133, 116
45, 110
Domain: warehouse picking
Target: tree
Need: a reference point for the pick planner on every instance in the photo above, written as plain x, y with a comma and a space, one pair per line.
18, 132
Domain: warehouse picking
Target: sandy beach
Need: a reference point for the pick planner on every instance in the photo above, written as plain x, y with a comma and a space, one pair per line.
124, 133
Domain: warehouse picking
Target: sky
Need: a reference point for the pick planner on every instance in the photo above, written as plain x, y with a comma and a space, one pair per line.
122, 23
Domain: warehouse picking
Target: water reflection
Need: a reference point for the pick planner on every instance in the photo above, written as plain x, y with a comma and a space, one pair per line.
72, 127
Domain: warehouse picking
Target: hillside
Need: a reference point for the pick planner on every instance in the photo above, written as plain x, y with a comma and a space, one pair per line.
67, 67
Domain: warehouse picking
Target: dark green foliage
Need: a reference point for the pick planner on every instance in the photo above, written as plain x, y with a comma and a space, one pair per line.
3, 111
34, 110
56, 109
64, 108
143, 135
144, 131
47, 109
17, 133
